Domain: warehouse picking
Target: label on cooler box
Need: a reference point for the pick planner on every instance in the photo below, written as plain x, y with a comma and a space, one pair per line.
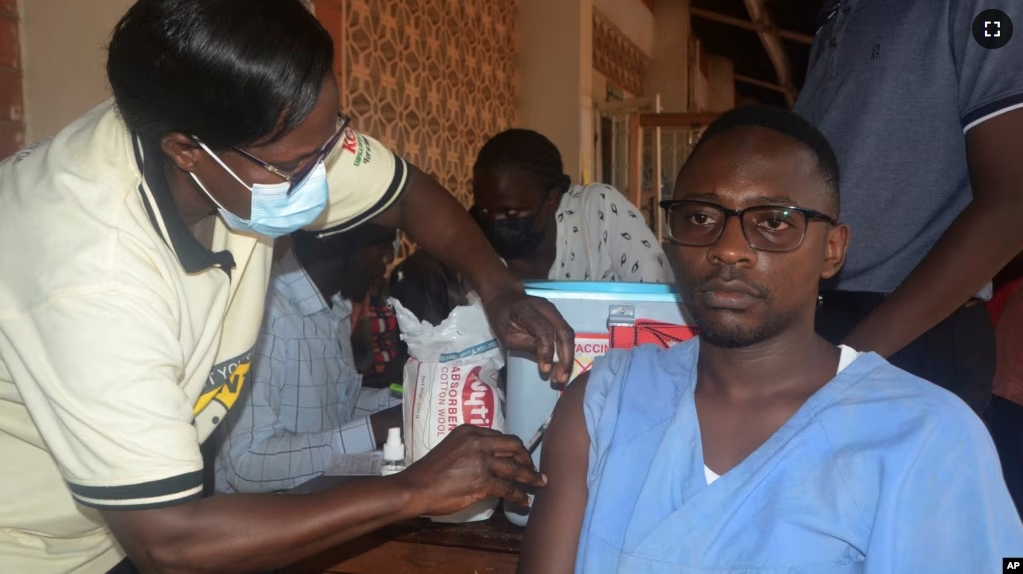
589, 346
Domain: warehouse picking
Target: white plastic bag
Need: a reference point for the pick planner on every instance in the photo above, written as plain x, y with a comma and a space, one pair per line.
451, 379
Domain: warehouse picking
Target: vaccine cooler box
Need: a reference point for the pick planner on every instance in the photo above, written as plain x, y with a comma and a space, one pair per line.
604, 316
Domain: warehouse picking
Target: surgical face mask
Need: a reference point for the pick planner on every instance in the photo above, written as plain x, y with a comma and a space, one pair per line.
511, 238
275, 212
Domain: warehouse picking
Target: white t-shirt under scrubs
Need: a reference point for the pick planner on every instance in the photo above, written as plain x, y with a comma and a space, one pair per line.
124, 341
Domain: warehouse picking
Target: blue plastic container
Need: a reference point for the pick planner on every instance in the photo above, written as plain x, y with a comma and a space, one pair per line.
590, 308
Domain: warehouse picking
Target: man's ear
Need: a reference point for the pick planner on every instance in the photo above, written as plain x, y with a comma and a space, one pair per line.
182, 150
834, 250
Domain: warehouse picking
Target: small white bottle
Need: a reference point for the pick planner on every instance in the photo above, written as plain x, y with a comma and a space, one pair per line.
394, 453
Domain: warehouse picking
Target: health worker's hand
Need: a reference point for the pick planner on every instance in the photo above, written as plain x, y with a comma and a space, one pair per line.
470, 464
533, 325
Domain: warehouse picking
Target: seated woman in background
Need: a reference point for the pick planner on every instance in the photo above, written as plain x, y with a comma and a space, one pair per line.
362, 285
380, 354
546, 228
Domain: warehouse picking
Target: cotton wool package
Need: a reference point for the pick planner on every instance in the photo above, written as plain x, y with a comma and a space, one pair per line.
451, 379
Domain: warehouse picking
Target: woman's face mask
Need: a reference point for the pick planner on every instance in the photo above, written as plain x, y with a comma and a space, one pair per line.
274, 211
281, 208
513, 237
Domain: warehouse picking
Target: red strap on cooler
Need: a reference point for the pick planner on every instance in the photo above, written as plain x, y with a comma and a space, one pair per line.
647, 331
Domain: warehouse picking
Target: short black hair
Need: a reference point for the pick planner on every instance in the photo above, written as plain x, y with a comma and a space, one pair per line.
528, 151
231, 72
308, 246
784, 122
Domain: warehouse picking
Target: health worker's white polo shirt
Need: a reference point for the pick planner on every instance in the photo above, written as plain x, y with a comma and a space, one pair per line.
124, 341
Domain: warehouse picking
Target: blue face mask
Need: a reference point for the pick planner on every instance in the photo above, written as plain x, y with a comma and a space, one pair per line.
274, 211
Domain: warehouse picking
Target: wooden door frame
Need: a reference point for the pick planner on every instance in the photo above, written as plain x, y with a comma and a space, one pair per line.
331, 14
639, 121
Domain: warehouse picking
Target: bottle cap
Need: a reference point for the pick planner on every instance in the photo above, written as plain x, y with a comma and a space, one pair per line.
393, 448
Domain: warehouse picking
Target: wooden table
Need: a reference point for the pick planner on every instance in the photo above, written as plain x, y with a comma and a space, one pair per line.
420, 547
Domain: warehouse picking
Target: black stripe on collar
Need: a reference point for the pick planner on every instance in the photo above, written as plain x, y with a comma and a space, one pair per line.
193, 256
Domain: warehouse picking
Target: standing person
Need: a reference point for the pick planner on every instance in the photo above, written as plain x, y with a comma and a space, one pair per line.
759, 446
136, 254
927, 125
306, 402
546, 228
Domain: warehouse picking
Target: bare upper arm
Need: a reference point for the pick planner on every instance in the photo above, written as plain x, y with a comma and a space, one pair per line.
996, 175
555, 520
393, 216
992, 150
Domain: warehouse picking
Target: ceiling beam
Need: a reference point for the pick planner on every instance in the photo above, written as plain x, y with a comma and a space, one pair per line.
747, 25
755, 82
775, 50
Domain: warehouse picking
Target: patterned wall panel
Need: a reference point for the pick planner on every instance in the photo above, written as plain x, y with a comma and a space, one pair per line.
432, 79
615, 56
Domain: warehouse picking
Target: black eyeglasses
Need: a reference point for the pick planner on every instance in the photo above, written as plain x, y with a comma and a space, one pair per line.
766, 227
298, 177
